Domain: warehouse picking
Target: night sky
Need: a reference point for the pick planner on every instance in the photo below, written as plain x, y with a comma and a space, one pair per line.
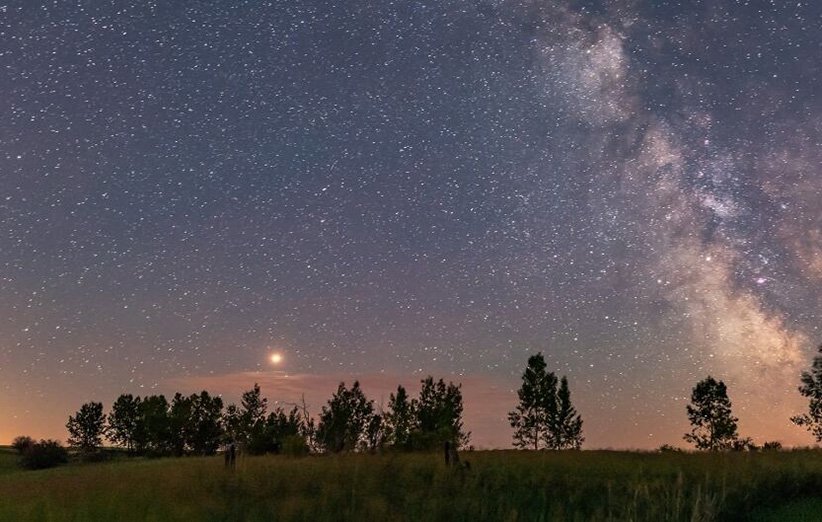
385, 190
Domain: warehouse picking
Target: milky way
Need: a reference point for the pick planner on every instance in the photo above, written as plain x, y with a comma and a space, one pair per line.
386, 190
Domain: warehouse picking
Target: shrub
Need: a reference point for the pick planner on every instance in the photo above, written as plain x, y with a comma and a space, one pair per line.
667, 448
295, 446
22, 443
44, 454
745, 444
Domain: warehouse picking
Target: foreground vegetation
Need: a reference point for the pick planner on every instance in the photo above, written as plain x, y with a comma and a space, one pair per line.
499, 485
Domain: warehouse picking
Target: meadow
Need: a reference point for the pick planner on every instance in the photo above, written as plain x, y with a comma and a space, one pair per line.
499, 485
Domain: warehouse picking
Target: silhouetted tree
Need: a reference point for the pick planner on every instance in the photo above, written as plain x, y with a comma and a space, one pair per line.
812, 390
438, 415
232, 424
567, 427
87, 426
124, 421
344, 422
375, 433
204, 426
270, 435
537, 396
399, 420
179, 424
714, 427
195, 424
545, 414
286, 431
154, 426
252, 427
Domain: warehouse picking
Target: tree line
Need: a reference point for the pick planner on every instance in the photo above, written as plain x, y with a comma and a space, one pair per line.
199, 424
544, 418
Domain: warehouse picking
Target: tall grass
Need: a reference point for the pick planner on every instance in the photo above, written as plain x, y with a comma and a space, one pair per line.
500, 485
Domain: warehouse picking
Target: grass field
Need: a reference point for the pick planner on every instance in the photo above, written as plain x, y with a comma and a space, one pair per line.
500, 485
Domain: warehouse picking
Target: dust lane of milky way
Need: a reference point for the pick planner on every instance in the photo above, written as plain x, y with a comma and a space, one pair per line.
384, 190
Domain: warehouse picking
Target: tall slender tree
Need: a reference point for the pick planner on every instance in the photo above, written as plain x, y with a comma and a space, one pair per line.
180, 429
536, 395
567, 430
714, 426
254, 407
399, 419
811, 389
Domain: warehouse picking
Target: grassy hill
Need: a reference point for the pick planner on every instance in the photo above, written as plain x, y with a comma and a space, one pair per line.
500, 485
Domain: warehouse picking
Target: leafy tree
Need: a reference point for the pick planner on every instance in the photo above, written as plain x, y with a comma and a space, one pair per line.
714, 427
204, 428
124, 421
195, 424
232, 424
253, 410
287, 430
43, 454
812, 389
399, 420
179, 424
438, 415
154, 426
537, 396
280, 431
344, 422
87, 426
254, 405
285, 425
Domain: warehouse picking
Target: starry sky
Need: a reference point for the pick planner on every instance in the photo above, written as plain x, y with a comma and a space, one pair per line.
384, 190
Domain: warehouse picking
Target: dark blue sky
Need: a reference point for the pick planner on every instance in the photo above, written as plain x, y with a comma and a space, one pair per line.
632, 188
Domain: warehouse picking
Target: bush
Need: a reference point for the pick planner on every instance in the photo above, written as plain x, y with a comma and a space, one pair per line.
44, 454
295, 446
667, 448
22, 443
745, 444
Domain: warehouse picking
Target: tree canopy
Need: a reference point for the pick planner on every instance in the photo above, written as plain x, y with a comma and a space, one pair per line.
87, 427
811, 389
714, 426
